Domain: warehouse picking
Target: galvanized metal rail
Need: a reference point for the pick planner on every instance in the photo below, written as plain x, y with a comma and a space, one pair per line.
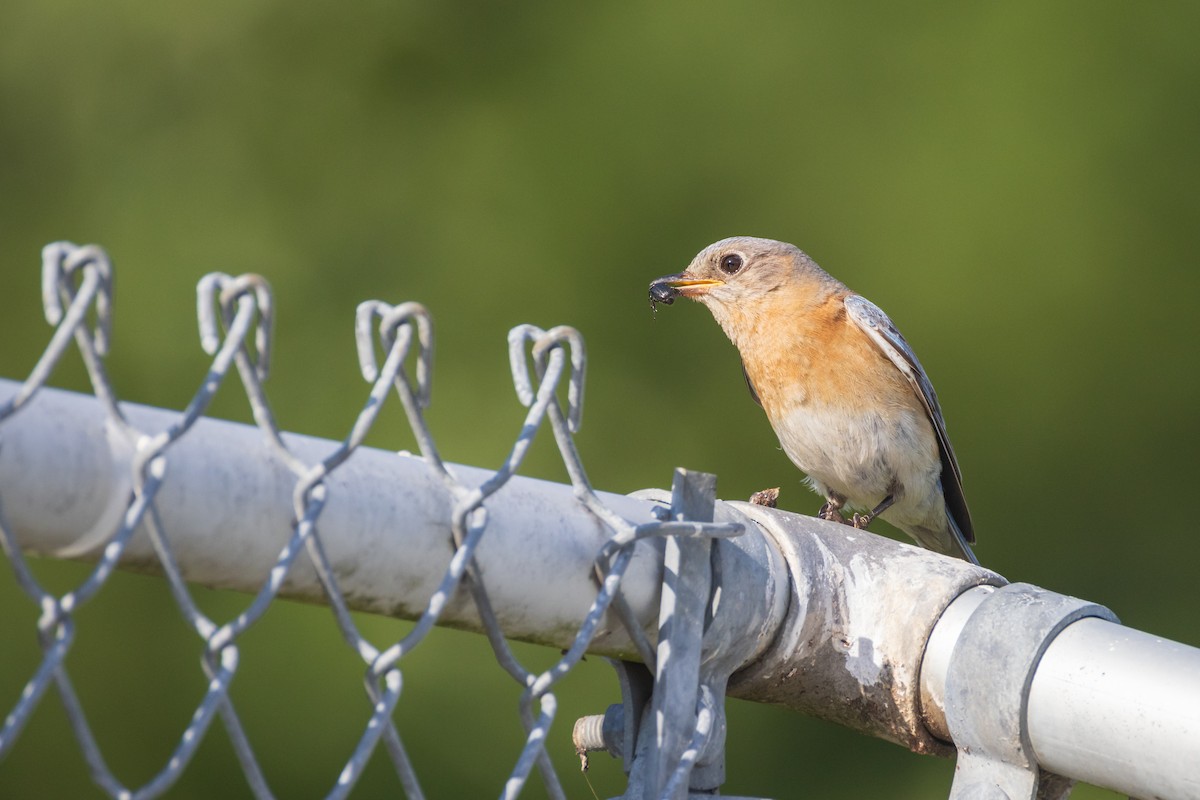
845, 625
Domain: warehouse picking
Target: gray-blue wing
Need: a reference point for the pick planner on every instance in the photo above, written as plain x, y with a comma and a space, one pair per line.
753, 392
883, 332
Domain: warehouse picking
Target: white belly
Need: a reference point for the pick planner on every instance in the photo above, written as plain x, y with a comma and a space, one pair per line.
864, 457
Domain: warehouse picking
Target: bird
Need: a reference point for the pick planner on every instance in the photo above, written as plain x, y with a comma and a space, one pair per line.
844, 392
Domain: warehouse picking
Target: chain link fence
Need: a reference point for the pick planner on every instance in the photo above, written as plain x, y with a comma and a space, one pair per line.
395, 351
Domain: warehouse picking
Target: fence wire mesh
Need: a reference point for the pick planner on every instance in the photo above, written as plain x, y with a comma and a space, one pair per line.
395, 351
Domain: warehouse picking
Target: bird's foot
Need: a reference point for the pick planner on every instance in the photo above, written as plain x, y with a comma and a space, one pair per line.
767, 497
832, 513
861, 521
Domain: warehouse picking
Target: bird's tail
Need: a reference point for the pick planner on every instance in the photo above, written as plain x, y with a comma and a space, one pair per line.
947, 540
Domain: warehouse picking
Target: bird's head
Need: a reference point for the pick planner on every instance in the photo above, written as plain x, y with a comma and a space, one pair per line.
738, 276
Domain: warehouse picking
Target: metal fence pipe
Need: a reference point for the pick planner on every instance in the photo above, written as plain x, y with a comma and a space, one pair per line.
839, 616
840, 624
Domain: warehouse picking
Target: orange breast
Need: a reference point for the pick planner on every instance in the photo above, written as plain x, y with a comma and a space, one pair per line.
802, 353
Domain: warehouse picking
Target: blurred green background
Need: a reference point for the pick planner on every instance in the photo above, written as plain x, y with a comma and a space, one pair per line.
1016, 184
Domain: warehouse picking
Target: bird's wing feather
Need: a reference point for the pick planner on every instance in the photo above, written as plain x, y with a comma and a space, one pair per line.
876, 324
750, 385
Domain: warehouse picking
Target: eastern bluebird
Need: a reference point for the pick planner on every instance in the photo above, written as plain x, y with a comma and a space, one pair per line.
846, 395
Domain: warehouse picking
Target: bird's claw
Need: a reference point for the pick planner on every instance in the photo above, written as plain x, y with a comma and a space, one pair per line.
861, 521
833, 513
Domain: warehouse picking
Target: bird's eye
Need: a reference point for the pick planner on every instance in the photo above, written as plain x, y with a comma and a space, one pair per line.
731, 263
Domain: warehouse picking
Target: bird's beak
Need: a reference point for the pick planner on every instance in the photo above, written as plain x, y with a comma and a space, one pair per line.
667, 288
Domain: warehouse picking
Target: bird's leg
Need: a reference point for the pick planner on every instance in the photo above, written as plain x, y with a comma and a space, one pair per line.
861, 521
832, 510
